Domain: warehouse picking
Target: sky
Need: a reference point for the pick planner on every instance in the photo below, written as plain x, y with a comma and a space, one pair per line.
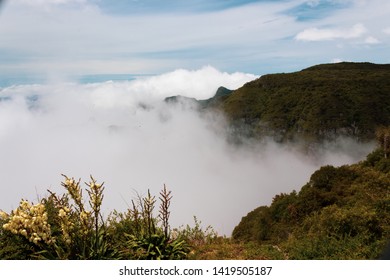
60, 38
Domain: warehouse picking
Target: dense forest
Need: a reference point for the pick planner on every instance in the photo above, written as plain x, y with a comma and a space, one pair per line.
319, 103
341, 213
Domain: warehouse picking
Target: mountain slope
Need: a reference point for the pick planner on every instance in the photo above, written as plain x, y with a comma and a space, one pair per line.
341, 213
320, 102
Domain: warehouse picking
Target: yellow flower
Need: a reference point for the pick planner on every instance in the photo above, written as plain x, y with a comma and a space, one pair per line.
23, 232
36, 240
84, 215
3, 215
29, 218
69, 181
61, 213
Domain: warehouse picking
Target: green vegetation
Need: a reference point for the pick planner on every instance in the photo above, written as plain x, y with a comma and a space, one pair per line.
63, 227
341, 213
320, 102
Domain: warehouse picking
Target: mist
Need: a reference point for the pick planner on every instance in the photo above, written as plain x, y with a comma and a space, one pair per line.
124, 134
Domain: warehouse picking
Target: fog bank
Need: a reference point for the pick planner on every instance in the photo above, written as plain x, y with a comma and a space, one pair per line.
123, 133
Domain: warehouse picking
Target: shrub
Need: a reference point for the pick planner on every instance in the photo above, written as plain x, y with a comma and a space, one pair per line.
151, 237
66, 227
337, 233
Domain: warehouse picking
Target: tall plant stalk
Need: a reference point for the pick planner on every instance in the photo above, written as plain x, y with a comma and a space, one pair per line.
95, 193
165, 198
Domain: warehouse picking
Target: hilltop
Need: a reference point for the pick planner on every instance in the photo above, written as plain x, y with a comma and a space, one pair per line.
319, 103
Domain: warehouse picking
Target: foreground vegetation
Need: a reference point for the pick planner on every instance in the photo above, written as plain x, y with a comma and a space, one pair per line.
341, 213
66, 227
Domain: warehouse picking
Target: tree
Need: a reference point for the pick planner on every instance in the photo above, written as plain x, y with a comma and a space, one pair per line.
383, 137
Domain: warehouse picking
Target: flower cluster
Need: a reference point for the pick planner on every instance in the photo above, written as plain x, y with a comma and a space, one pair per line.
66, 224
95, 195
74, 190
85, 222
3, 215
30, 221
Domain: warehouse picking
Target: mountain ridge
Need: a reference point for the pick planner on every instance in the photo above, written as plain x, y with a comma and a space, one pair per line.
321, 102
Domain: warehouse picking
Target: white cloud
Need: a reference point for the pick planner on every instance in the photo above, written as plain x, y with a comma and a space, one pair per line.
336, 60
371, 40
75, 36
101, 129
313, 3
40, 3
386, 30
87, 37
325, 34
186, 83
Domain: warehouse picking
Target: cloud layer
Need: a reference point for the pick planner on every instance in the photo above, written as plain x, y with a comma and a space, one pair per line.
142, 37
122, 133
315, 34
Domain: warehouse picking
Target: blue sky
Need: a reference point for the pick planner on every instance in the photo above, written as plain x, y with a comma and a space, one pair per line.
76, 37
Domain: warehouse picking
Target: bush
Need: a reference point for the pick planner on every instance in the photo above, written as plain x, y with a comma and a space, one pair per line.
148, 239
66, 227
337, 233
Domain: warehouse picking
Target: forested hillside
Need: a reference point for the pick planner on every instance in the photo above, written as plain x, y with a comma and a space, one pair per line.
317, 103
341, 213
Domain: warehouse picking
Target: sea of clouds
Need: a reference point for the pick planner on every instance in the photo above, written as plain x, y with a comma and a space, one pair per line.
124, 134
